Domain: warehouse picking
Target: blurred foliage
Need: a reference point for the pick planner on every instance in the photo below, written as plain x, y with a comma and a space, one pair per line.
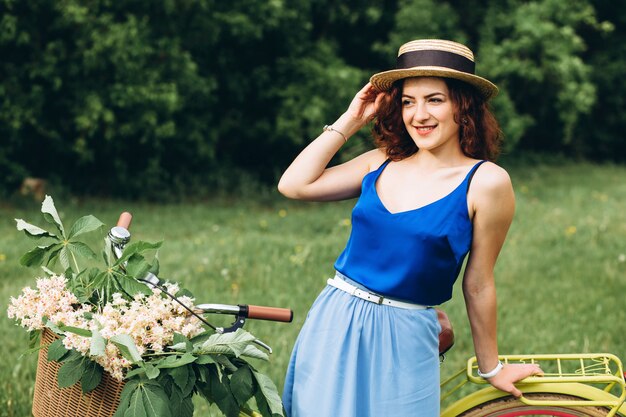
154, 99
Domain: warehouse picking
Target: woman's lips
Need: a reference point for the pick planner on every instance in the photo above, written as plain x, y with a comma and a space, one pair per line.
424, 130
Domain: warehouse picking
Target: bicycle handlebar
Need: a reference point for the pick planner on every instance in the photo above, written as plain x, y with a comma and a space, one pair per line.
125, 219
284, 315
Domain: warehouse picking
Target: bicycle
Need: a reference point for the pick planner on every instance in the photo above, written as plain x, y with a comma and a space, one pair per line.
574, 385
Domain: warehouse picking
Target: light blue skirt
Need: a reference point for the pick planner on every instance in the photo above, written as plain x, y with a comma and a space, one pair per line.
354, 358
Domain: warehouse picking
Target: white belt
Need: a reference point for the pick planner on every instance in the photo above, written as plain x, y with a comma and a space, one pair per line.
371, 297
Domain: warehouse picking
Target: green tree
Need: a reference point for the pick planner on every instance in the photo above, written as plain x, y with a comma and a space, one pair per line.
534, 52
601, 133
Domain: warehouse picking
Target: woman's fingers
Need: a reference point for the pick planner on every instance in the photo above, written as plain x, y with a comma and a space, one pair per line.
512, 373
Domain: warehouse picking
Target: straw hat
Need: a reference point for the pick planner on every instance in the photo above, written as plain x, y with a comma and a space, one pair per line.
435, 58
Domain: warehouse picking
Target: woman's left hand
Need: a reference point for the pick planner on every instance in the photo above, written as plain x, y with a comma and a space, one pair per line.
512, 373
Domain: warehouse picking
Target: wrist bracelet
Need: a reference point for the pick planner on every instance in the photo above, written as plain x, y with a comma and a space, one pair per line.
329, 128
495, 371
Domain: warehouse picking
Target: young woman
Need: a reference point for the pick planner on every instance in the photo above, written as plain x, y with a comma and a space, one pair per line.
428, 195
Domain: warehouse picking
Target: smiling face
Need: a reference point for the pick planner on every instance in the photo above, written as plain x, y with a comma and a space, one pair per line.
428, 114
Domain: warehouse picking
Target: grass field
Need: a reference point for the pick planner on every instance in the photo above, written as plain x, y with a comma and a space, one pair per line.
561, 275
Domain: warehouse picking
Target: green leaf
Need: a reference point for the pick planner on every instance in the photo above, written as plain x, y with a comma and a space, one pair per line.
225, 362
202, 372
50, 325
205, 359
70, 372
155, 400
151, 371
270, 393
242, 384
54, 254
125, 397
75, 330
33, 231
180, 375
127, 347
227, 343
137, 266
137, 371
185, 408
185, 378
131, 286
64, 257
84, 225
202, 337
136, 247
222, 395
51, 215
100, 283
37, 256
107, 255
154, 268
136, 407
176, 361
80, 249
47, 271
98, 344
56, 350
253, 352
180, 404
33, 338
82, 286
92, 375
179, 338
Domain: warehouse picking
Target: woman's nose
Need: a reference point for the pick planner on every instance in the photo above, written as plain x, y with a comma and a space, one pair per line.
421, 113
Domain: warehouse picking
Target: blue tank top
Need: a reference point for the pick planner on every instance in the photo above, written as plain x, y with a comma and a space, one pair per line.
413, 255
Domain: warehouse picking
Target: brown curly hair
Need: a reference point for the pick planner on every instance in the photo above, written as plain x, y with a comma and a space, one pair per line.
479, 133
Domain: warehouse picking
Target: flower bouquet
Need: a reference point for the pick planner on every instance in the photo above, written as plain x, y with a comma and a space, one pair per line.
113, 344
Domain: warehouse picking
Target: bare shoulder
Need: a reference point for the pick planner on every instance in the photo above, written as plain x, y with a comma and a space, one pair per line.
491, 178
491, 192
374, 159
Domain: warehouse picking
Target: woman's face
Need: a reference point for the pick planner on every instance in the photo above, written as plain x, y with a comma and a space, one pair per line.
428, 113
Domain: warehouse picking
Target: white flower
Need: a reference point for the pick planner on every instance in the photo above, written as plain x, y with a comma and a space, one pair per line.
151, 320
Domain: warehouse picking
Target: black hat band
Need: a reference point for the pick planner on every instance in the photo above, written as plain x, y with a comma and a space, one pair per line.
435, 58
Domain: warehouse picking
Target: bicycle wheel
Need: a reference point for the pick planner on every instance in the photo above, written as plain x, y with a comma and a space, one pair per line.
511, 407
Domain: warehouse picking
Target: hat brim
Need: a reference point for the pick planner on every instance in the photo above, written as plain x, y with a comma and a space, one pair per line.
383, 80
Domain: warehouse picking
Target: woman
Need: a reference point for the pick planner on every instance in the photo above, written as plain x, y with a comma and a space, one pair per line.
428, 195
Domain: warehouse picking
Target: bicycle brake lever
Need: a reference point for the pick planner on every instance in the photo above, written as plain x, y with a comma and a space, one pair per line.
263, 345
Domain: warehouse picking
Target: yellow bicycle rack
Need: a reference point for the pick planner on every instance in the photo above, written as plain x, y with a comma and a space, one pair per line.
586, 379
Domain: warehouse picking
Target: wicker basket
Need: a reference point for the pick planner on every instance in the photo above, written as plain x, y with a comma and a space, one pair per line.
51, 401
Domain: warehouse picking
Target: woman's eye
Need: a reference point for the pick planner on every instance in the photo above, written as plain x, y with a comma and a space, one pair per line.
406, 102
436, 100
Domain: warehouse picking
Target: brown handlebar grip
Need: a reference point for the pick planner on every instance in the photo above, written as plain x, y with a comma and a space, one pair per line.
270, 313
124, 220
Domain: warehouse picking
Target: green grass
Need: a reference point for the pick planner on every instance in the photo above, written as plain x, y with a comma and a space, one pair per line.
560, 276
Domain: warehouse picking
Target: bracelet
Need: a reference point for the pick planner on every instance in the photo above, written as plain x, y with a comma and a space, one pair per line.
495, 371
329, 128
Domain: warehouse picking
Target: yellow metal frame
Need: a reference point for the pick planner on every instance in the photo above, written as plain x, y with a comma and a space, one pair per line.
568, 374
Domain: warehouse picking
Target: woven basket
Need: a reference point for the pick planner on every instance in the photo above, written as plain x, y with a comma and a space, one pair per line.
51, 401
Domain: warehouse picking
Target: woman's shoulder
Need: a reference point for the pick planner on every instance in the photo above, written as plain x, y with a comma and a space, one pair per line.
491, 179
373, 159
491, 175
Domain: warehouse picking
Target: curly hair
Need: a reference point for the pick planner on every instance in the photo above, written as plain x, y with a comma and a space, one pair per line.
479, 133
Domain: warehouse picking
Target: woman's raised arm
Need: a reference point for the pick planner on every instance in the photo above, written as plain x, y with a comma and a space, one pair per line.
308, 178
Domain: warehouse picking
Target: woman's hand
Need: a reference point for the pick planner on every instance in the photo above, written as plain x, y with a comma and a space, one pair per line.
512, 373
365, 104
